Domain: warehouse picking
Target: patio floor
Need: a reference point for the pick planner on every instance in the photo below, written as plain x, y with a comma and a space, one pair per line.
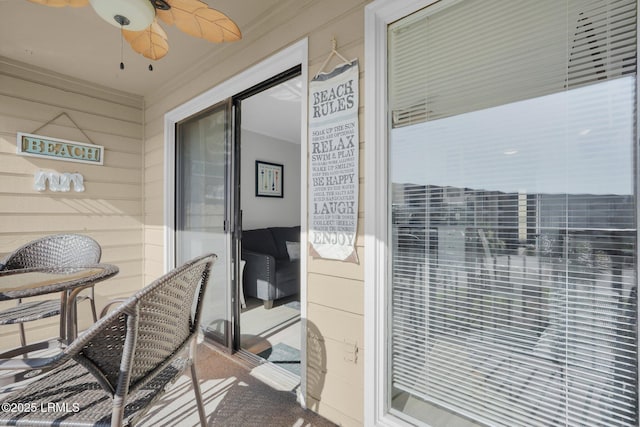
233, 395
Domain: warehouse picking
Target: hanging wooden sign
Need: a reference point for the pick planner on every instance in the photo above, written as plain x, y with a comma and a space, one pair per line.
59, 149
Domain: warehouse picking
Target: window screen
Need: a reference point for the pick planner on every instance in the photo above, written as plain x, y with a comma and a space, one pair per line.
513, 281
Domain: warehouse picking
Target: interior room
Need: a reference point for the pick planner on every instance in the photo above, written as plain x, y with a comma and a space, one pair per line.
270, 135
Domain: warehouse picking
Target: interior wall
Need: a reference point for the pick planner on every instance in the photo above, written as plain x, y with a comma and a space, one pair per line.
109, 210
260, 212
335, 290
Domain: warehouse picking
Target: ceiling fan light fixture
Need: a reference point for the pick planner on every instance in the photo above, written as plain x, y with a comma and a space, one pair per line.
139, 13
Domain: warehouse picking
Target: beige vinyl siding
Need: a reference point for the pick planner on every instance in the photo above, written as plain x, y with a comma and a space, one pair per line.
335, 289
110, 210
154, 204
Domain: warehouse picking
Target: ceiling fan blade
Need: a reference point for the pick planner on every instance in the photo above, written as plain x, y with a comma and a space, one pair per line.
150, 43
197, 19
61, 3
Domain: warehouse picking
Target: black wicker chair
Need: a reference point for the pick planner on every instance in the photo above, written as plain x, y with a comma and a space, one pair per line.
114, 371
60, 250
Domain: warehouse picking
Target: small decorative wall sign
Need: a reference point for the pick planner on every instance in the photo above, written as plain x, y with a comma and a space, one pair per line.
59, 149
269, 179
58, 181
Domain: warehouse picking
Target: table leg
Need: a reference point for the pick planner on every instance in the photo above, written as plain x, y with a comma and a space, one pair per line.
71, 322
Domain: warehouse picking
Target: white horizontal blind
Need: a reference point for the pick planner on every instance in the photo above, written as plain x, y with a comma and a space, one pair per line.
514, 271
538, 45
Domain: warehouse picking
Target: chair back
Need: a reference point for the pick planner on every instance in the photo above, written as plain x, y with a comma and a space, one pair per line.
60, 250
145, 334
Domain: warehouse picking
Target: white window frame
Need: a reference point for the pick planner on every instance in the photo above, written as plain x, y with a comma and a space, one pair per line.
283, 60
378, 15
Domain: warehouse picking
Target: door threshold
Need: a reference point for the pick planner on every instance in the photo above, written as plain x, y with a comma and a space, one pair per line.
269, 373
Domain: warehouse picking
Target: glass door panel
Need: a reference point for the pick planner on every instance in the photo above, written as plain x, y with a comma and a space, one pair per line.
513, 204
203, 209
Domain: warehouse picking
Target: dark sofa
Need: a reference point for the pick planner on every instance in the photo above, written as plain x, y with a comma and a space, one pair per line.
270, 273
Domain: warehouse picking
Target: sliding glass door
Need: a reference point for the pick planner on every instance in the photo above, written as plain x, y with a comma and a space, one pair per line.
203, 209
513, 205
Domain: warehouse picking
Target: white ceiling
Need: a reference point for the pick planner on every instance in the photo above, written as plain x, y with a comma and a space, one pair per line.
275, 112
76, 42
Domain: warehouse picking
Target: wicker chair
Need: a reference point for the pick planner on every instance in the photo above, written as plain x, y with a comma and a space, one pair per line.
60, 250
115, 370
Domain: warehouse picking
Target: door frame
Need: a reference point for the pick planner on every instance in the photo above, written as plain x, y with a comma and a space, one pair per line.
283, 60
377, 16
236, 102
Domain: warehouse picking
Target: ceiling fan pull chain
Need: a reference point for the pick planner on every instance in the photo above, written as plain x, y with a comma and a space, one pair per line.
121, 48
150, 47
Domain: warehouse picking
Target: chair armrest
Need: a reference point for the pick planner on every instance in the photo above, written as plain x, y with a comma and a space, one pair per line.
110, 304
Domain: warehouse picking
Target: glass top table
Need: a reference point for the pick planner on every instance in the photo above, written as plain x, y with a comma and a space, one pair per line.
29, 282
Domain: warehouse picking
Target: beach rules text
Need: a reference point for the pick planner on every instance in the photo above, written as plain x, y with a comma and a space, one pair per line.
333, 172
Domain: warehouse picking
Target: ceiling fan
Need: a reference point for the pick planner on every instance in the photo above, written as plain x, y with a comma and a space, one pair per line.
138, 21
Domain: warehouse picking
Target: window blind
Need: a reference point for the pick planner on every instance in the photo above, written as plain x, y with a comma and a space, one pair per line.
540, 47
513, 279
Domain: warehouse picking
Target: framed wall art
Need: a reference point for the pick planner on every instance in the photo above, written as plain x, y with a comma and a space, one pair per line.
269, 179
